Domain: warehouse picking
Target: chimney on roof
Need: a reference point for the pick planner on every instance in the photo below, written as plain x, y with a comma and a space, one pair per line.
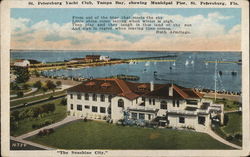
170, 90
151, 86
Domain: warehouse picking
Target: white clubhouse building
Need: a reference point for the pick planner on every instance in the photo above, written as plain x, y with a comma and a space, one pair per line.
169, 104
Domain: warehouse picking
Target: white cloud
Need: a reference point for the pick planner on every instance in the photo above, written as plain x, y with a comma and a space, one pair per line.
206, 33
201, 26
235, 30
19, 25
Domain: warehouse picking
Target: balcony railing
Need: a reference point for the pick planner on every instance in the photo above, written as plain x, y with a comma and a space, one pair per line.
142, 108
184, 112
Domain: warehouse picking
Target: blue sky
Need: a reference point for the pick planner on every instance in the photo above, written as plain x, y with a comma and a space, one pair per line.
224, 19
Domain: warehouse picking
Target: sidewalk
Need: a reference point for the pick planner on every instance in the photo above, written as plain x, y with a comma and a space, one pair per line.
32, 90
30, 143
54, 125
32, 133
36, 95
220, 139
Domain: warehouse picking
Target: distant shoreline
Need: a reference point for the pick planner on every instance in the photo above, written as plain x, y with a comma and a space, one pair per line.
21, 50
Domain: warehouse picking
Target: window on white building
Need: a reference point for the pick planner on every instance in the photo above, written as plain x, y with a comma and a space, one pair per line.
79, 107
71, 96
109, 110
164, 105
176, 102
192, 102
141, 116
71, 106
110, 97
102, 109
102, 98
143, 99
181, 120
94, 97
150, 101
87, 107
153, 101
201, 120
79, 96
120, 103
149, 116
173, 103
86, 96
134, 116
94, 109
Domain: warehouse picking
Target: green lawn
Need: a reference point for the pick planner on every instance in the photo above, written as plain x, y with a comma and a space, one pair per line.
233, 127
229, 105
101, 135
27, 100
234, 124
25, 125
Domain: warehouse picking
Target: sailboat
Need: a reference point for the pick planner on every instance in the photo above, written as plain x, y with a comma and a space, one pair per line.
132, 62
187, 62
147, 63
192, 62
174, 64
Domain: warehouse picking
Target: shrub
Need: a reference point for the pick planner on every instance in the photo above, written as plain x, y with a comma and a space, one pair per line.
238, 136
37, 111
85, 119
30, 113
58, 83
23, 114
37, 84
63, 101
20, 94
26, 86
44, 89
50, 85
48, 108
34, 126
15, 114
51, 97
226, 118
13, 125
47, 122
22, 74
36, 73
43, 123
14, 86
229, 138
45, 132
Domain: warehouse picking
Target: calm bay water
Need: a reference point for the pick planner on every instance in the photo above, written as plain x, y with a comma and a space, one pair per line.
189, 69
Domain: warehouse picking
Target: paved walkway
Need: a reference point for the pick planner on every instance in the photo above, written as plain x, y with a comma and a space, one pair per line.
30, 143
32, 133
54, 125
32, 90
36, 95
220, 139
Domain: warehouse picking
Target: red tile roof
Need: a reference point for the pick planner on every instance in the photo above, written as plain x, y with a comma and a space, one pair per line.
131, 90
